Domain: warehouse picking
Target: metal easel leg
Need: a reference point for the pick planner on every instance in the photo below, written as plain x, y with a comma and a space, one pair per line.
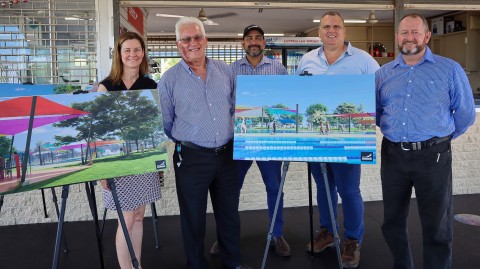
272, 223
61, 218
332, 217
113, 189
155, 223
310, 207
55, 203
103, 222
44, 204
90, 190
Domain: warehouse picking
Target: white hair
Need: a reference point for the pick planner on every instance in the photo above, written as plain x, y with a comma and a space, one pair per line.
188, 21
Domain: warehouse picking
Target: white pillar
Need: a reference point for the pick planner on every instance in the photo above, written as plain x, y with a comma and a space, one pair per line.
105, 37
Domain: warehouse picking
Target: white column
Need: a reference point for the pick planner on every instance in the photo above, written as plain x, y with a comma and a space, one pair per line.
105, 37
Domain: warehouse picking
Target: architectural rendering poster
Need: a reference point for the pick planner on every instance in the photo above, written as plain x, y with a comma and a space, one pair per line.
78, 138
326, 118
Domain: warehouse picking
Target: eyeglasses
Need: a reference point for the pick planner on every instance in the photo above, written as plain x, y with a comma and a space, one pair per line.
250, 38
330, 27
187, 40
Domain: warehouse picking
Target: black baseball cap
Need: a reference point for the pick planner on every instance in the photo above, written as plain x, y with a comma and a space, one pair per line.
252, 27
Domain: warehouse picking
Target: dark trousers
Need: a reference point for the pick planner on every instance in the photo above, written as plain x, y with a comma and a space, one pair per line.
199, 173
429, 171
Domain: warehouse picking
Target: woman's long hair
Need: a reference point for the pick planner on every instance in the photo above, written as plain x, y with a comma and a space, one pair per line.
117, 65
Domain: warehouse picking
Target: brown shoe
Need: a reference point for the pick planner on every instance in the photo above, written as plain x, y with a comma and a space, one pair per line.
322, 241
351, 253
281, 246
215, 250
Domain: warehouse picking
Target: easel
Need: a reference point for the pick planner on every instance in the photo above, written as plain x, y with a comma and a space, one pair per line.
330, 207
61, 216
92, 202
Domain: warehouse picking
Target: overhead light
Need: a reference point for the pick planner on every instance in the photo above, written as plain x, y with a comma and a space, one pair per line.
346, 21
355, 21
168, 15
266, 34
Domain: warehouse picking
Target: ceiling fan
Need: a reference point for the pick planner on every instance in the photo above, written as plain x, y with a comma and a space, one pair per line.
79, 17
372, 18
202, 16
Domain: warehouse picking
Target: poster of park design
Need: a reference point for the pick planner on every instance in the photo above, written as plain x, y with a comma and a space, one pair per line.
323, 118
78, 138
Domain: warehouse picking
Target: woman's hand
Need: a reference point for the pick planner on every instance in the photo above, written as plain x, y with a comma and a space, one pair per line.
104, 184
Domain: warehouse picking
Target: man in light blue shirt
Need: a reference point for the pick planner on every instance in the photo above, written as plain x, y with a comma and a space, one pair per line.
197, 97
338, 57
423, 101
255, 63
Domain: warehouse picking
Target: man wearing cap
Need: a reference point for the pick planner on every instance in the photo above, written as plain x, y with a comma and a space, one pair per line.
254, 63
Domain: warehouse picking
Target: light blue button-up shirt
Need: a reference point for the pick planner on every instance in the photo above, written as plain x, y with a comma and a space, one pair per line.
195, 110
431, 98
353, 61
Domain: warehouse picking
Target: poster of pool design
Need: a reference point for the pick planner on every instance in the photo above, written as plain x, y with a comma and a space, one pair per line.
78, 138
323, 118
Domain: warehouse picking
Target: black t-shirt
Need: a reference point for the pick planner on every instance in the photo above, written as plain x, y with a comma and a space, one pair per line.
140, 84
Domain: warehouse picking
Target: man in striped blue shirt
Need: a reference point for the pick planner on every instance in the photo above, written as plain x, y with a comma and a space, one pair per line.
197, 97
255, 63
423, 101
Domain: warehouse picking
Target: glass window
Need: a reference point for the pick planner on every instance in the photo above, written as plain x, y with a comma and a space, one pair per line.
44, 45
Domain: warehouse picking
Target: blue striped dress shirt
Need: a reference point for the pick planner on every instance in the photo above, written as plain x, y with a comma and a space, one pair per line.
195, 110
265, 67
431, 98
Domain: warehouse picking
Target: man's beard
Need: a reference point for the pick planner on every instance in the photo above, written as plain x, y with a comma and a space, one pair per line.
253, 54
414, 51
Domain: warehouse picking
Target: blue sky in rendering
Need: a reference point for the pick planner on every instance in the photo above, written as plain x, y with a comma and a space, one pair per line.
329, 90
14, 89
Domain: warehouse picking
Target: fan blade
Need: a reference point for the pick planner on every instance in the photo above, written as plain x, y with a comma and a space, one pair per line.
222, 15
209, 23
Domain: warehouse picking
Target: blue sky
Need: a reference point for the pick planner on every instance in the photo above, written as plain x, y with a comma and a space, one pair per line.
13, 89
329, 90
